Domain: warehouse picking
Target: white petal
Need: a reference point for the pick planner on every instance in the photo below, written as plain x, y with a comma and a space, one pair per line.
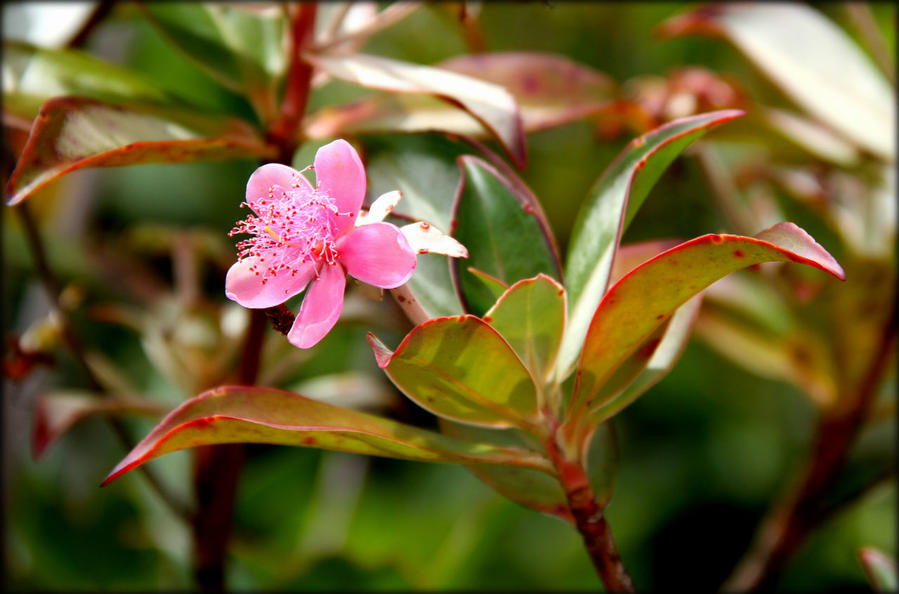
428, 239
380, 208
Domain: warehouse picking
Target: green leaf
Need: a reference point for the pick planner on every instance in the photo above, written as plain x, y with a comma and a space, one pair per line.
530, 315
632, 309
649, 363
551, 90
812, 60
241, 414
492, 284
460, 368
609, 209
505, 235
490, 104
240, 49
530, 488
31, 75
423, 168
71, 133
879, 569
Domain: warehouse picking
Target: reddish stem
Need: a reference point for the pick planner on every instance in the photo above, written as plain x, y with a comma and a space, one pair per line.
786, 527
284, 132
590, 521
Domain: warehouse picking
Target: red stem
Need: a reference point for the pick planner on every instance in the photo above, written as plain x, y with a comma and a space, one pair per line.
590, 521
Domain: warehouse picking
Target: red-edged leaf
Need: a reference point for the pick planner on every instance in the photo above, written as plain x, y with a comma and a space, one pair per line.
241, 414
490, 104
55, 414
71, 133
460, 368
611, 205
643, 299
551, 90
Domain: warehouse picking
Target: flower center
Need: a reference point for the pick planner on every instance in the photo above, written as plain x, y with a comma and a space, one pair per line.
291, 227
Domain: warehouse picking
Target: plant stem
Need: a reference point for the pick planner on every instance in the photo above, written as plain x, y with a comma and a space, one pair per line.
76, 348
216, 476
590, 521
790, 522
217, 468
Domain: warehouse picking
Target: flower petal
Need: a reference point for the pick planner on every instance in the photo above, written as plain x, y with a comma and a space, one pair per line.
265, 179
377, 254
425, 238
380, 208
244, 286
339, 173
321, 308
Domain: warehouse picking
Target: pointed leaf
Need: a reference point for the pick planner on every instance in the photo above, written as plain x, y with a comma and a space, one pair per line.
493, 285
460, 368
530, 315
490, 104
56, 413
812, 60
531, 488
649, 294
879, 569
610, 206
72, 133
505, 236
241, 414
31, 75
551, 90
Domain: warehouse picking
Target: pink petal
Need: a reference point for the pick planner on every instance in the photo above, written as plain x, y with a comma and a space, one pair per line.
273, 175
377, 254
321, 308
246, 287
339, 173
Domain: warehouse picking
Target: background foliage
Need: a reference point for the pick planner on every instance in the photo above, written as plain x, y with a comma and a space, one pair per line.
700, 457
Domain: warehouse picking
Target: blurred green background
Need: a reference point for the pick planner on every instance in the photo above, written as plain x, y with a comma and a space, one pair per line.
700, 456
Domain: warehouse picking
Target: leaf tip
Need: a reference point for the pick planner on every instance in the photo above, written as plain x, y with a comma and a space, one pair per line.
383, 355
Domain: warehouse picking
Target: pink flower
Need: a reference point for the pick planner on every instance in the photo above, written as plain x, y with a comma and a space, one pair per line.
311, 236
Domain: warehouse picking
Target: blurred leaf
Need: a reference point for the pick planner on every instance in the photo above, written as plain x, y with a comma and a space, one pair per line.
601, 462
550, 90
47, 24
423, 168
57, 412
643, 299
879, 569
505, 236
240, 49
346, 26
241, 414
611, 205
811, 136
460, 368
800, 359
72, 133
812, 60
530, 315
530, 488
490, 104
31, 75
